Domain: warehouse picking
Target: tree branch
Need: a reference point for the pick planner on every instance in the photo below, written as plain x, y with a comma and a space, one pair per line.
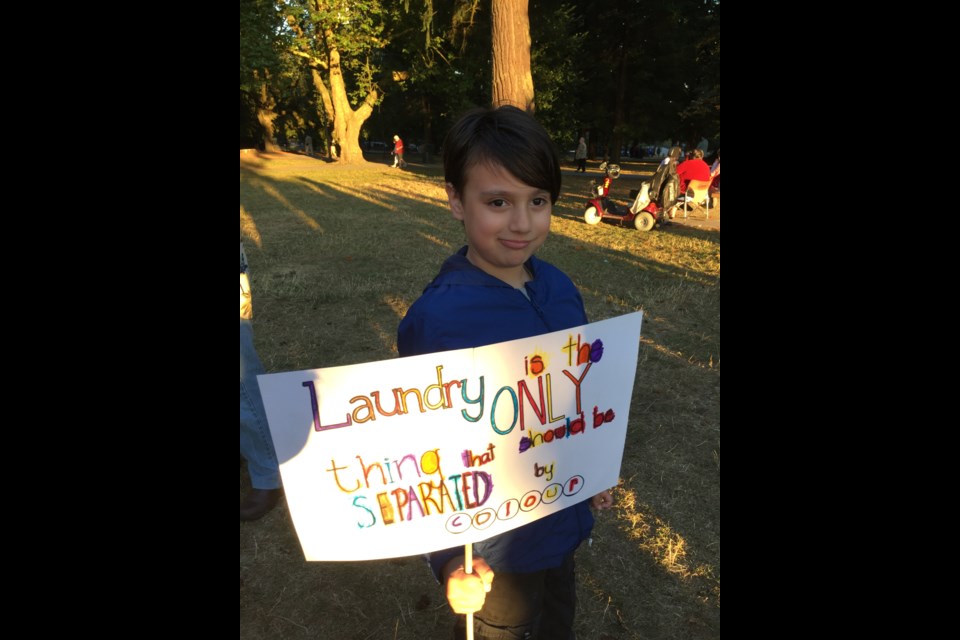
312, 60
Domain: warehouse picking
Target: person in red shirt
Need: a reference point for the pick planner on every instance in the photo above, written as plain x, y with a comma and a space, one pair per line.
398, 152
693, 169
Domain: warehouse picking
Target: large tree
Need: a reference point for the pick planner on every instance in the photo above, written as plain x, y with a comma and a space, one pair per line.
340, 41
324, 66
261, 49
512, 80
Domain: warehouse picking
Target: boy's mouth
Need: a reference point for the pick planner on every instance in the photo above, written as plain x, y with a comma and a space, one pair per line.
515, 244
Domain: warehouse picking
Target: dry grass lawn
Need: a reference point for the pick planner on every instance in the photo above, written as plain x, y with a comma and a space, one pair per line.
339, 253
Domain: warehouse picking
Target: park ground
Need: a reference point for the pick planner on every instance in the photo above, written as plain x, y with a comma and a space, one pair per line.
337, 256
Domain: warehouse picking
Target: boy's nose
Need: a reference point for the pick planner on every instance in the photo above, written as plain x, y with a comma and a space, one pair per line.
520, 221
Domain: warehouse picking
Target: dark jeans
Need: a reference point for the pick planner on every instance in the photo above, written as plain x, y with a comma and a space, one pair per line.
527, 606
582, 165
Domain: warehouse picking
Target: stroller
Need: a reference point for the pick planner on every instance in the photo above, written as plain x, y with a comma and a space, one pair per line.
658, 198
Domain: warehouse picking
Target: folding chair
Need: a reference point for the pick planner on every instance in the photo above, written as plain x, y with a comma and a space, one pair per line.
697, 190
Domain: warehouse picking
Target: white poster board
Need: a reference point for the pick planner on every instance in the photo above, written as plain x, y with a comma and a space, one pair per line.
412, 455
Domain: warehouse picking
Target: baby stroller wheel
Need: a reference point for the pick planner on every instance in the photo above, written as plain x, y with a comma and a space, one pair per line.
591, 215
643, 221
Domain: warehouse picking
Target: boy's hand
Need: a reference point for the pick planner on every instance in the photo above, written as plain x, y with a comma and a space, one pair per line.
603, 500
466, 592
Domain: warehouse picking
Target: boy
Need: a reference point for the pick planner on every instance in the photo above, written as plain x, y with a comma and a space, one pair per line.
502, 177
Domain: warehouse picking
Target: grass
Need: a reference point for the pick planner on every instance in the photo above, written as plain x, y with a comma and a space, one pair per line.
337, 256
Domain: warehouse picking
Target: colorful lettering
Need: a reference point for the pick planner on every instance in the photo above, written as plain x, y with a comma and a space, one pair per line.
513, 407
315, 410
471, 460
373, 518
578, 381
546, 470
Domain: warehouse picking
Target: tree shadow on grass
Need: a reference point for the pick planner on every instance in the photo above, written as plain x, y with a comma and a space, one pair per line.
340, 255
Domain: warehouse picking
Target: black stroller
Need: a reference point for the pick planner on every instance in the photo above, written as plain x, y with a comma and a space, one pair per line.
659, 196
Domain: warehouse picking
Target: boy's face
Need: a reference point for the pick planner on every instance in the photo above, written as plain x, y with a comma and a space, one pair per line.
506, 220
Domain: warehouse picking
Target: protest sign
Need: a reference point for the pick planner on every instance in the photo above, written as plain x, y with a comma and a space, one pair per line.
412, 455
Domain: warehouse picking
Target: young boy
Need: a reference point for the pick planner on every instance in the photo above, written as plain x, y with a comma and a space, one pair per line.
502, 178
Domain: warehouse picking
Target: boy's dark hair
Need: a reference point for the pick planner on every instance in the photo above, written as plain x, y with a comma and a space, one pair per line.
505, 136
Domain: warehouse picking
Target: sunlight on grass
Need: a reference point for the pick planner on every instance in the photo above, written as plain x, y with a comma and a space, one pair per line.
628, 302
439, 200
662, 253
272, 191
380, 202
437, 241
711, 363
334, 295
388, 337
248, 228
398, 305
658, 539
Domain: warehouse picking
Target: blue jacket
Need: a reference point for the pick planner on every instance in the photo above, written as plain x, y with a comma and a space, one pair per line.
465, 307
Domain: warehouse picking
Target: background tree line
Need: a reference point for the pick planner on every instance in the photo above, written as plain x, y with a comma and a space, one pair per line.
621, 72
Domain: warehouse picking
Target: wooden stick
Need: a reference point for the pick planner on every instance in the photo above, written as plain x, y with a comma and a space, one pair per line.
468, 568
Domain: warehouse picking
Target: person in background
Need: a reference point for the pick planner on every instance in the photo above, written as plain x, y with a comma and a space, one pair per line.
398, 160
256, 445
581, 156
692, 169
502, 178
715, 173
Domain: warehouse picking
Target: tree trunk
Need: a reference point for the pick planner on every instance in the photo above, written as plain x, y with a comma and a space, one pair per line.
512, 80
265, 116
346, 121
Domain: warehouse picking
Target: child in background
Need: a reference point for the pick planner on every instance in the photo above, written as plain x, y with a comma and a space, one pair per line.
502, 178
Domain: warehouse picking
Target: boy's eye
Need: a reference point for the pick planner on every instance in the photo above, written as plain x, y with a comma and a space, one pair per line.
539, 202
499, 202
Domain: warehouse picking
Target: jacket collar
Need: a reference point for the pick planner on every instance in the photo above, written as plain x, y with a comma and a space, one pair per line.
458, 270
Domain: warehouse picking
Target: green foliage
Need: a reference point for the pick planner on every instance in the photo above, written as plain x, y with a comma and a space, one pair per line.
446, 68
261, 45
558, 36
650, 66
703, 112
261, 57
634, 70
356, 29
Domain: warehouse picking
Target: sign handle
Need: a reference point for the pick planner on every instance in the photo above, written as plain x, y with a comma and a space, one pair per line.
468, 568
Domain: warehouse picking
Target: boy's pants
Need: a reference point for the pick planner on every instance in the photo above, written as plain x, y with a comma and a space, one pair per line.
527, 606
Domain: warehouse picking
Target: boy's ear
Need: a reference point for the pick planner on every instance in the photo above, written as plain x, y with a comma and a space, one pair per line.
456, 206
